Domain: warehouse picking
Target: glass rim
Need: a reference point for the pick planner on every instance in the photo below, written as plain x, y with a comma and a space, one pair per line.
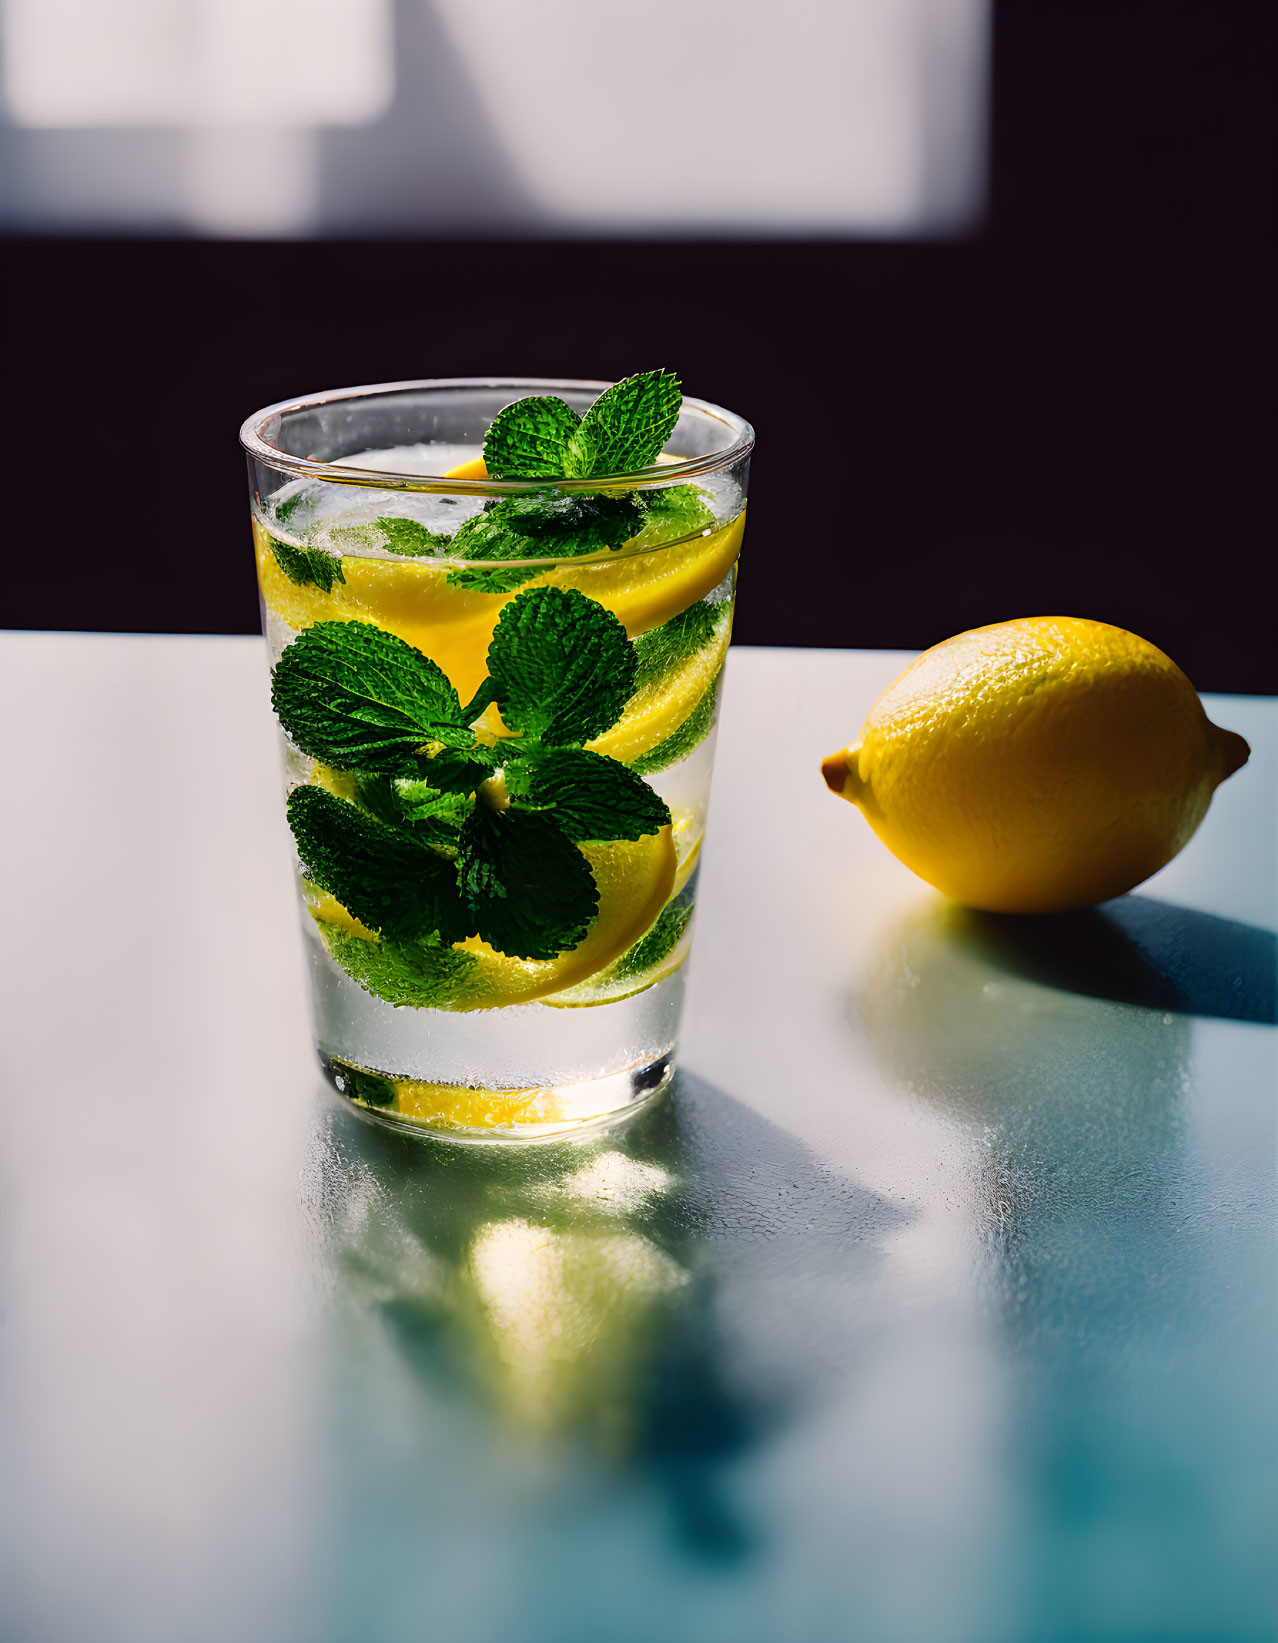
740, 442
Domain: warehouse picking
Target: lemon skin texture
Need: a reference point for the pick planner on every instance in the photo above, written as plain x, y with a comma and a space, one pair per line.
1037, 765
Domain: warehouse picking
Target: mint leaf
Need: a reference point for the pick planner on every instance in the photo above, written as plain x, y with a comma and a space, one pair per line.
432, 817
661, 940
679, 510
483, 579
416, 974
561, 524
681, 741
455, 771
307, 565
662, 649
528, 891
384, 877
379, 795
354, 696
542, 525
409, 536
562, 666
526, 439
594, 798
487, 537
285, 510
480, 702
626, 427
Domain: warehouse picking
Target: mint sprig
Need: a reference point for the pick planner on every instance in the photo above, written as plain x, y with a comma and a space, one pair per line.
622, 432
449, 837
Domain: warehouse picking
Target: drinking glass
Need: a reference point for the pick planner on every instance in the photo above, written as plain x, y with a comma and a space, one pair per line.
497, 705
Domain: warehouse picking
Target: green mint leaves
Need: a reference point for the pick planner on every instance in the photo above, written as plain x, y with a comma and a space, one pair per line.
622, 432
662, 649
419, 974
543, 524
354, 696
449, 837
529, 890
389, 879
409, 536
562, 665
678, 510
303, 565
593, 797
626, 427
526, 439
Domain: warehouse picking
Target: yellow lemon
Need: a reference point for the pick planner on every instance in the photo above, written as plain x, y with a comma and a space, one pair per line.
1037, 765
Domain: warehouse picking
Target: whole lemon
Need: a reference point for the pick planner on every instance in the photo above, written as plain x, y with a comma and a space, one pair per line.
1037, 765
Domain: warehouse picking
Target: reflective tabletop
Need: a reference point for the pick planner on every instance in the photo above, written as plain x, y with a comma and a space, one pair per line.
935, 1304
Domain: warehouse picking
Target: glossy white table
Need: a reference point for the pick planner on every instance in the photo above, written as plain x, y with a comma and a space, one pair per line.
936, 1306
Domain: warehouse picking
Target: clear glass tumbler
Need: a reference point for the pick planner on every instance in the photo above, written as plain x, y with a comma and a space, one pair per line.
497, 703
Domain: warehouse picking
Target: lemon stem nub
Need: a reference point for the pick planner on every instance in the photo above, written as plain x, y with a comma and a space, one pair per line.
842, 776
1234, 751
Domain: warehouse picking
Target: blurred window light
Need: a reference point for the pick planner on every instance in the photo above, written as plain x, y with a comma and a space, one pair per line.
838, 116
688, 117
261, 63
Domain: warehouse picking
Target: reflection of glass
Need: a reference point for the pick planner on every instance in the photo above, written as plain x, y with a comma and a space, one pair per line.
560, 1272
622, 1308
499, 702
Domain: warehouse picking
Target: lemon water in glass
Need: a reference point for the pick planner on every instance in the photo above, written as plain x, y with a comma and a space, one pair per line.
497, 613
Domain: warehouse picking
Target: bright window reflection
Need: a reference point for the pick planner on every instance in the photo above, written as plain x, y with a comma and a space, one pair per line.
815, 115
700, 117
71, 63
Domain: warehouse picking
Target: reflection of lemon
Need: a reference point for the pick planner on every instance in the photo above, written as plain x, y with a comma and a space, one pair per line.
1037, 765
634, 880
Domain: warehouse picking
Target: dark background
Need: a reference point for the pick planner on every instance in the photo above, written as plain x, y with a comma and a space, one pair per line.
1063, 413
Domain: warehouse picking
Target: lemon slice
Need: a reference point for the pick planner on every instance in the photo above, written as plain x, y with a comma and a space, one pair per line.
654, 712
634, 878
453, 1106
476, 468
453, 626
605, 987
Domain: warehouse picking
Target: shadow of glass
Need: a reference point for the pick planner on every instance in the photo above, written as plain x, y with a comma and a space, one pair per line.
616, 1296
1137, 950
